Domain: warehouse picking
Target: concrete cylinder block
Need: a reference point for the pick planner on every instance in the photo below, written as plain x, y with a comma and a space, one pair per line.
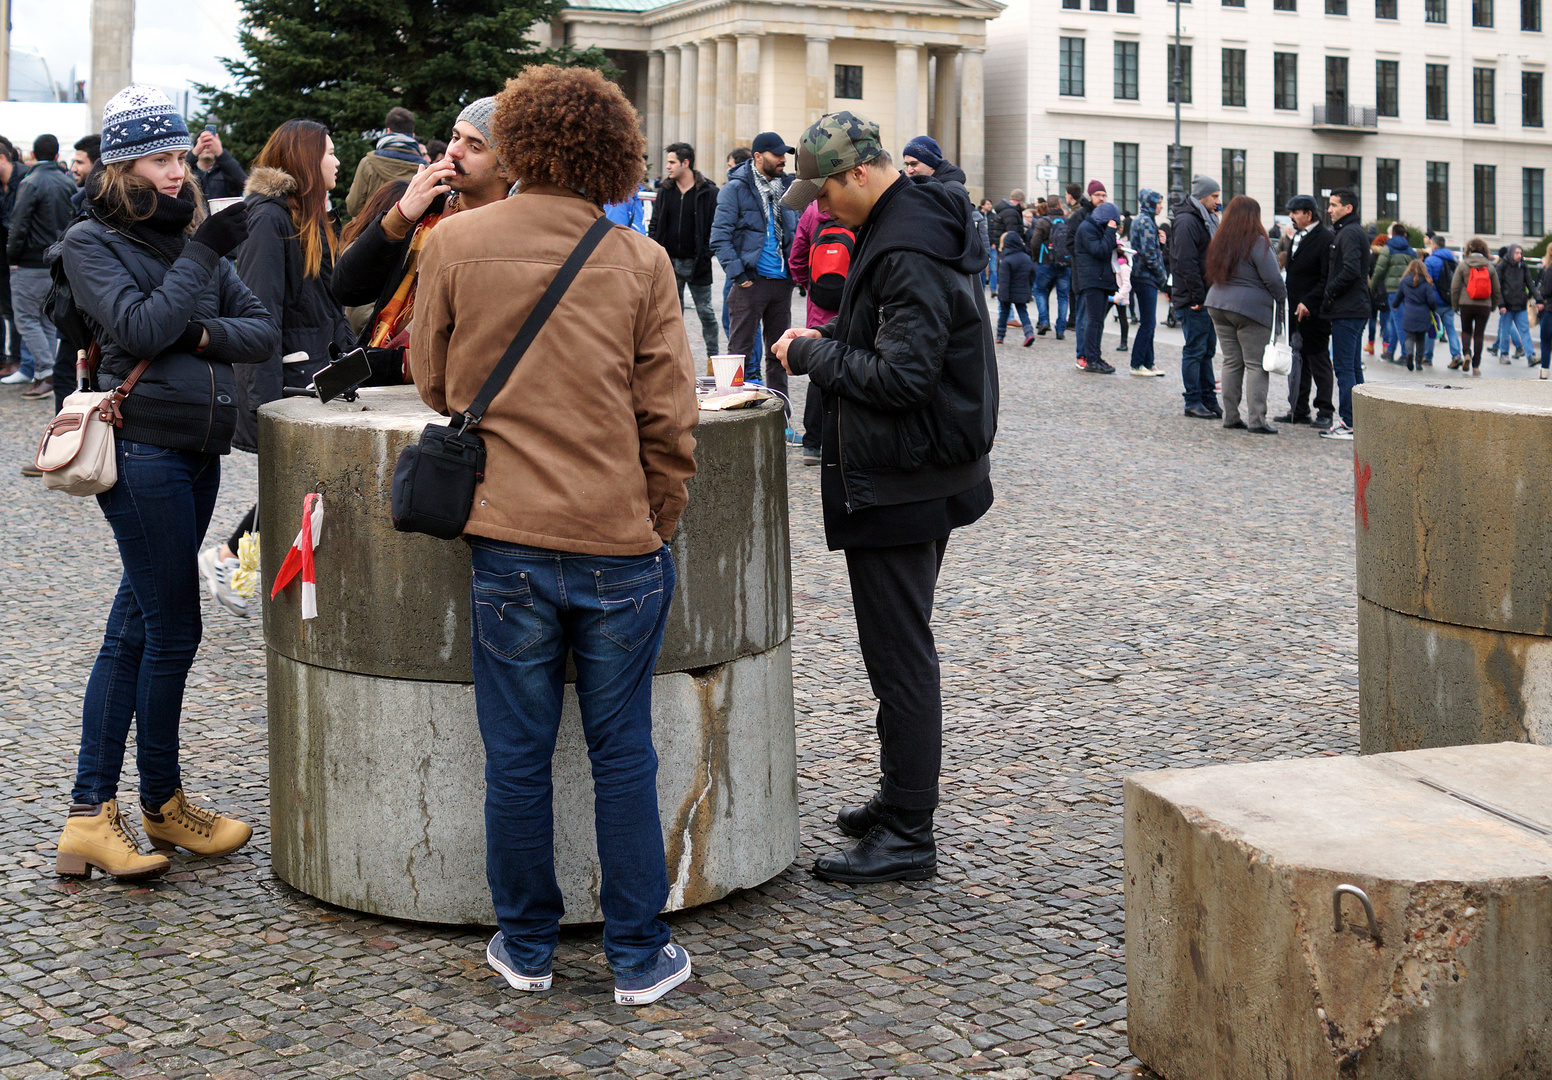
378, 789
1237, 968
1454, 516
397, 604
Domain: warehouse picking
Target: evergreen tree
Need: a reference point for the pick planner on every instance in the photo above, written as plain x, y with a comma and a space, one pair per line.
345, 63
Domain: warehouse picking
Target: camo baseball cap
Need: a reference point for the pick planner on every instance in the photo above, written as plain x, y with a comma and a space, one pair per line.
834, 143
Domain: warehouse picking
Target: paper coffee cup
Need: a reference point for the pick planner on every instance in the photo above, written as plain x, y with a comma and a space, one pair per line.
728, 370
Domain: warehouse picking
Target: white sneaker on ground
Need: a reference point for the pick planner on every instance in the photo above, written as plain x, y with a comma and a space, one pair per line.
218, 578
1338, 430
16, 378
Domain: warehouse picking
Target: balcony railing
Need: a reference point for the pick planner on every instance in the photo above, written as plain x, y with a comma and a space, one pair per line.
1346, 118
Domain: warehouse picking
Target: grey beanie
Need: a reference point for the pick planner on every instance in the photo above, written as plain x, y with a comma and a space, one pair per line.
1203, 185
479, 113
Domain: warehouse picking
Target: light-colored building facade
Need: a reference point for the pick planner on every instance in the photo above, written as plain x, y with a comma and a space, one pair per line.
1433, 110
714, 73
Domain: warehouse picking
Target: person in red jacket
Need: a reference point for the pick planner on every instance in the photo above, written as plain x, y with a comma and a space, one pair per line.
811, 221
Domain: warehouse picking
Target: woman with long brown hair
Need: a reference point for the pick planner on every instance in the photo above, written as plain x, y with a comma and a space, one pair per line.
288, 261
1245, 297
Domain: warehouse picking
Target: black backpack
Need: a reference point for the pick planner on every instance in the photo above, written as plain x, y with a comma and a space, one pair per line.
60, 304
1056, 251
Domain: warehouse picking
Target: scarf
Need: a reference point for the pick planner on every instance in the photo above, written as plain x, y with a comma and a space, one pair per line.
392, 328
1207, 216
770, 194
166, 227
1298, 238
398, 147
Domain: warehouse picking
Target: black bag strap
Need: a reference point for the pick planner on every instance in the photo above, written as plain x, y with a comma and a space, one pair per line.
535, 322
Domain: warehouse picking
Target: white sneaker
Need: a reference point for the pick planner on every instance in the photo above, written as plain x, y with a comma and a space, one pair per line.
16, 378
1338, 430
218, 578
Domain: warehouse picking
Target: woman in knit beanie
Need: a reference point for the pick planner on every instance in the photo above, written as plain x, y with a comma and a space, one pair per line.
149, 277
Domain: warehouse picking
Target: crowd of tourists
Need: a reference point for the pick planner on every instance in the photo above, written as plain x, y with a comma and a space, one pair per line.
1233, 286
130, 280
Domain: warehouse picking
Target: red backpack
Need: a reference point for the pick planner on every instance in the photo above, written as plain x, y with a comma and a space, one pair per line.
829, 261
1479, 283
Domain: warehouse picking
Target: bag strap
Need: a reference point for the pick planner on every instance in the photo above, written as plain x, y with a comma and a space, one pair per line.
535, 322
108, 407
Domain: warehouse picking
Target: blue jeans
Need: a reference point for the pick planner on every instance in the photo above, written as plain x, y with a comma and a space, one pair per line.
1347, 359
990, 277
1393, 332
1147, 296
1446, 319
1518, 327
1046, 276
530, 606
1094, 306
1196, 369
158, 510
1077, 317
1004, 310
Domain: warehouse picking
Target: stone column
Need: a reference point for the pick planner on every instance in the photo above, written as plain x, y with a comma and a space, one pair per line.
907, 126
746, 120
688, 70
113, 34
671, 133
727, 108
707, 74
945, 103
654, 112
972, 120
820, 78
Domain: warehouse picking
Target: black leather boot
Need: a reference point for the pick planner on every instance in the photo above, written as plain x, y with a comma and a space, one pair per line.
898, 848
855, 821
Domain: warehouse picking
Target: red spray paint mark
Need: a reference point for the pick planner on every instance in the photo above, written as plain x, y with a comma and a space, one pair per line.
1361, 476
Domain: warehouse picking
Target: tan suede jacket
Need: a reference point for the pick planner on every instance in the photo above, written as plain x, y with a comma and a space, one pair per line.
589, 444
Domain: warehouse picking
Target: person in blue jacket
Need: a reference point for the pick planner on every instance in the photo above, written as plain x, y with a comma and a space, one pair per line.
1416, 301
1095, 280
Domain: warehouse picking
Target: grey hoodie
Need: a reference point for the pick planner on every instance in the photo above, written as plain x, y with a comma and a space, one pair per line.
1458, 297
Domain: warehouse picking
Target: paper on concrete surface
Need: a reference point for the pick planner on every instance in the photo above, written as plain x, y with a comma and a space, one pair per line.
737, 399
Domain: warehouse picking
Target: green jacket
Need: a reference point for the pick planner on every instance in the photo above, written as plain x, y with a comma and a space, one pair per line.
1391, 266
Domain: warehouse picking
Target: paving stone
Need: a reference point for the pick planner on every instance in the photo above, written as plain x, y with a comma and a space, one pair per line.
1149, 591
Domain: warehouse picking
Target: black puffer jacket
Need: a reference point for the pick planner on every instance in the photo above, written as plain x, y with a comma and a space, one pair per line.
1188, 240
270, 262
1516, 279
138, 305
909, 364
1093, 248
40, 215
1006, 215
1347, 280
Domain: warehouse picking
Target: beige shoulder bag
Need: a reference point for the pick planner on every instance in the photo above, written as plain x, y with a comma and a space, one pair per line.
75, 454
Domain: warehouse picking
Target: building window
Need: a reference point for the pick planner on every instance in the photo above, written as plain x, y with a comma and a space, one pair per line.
1334, 171
1125, 176
1099, 5
1530, 15
1438, 91
1481, 12
1384, 9
1530, 98
1234, 76
1484, 198
1126, 70
1482, 108
1534, 186
1285, 5
1185, 73
1436, 11
1387, 87
1336, 89
1285, 80
1072, 5
1126, 7
1336, 7
1069, 162
848, 80
1439, 196
1285, 178
1387, 184
1070, 67
1234, 175
1234, 3
1185, 166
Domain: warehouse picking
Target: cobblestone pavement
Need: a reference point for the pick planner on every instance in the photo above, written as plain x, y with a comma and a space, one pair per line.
1149, 591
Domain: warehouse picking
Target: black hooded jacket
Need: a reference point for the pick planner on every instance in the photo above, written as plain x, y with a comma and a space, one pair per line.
1188, 240
908, 367
1347, 279
675, 213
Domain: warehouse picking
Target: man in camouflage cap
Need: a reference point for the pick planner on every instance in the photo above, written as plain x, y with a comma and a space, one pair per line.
909, 383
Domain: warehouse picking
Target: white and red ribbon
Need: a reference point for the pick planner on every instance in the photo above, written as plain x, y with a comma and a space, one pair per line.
299, 560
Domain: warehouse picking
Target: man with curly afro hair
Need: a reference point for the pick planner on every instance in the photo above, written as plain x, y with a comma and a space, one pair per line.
588, 447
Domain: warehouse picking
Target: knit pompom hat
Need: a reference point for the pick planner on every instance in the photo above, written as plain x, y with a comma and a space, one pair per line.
140, 120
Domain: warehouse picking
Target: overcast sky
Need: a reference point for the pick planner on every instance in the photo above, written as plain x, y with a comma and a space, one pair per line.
176, 41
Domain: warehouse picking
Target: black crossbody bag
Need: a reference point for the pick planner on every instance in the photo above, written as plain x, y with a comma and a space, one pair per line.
434, 479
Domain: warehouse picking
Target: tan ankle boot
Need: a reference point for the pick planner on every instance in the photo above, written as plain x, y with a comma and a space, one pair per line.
98, 836
176, 823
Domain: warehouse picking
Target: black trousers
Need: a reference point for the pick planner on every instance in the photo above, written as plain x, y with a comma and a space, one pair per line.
1314, 363
891, 591
767, 303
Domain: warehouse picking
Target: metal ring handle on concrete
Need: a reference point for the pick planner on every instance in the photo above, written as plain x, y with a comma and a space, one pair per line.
1368, 909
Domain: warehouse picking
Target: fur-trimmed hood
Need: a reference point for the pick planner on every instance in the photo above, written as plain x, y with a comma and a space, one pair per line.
271, 183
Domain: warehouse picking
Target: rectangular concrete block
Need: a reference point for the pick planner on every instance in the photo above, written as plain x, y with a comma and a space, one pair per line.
1235, 970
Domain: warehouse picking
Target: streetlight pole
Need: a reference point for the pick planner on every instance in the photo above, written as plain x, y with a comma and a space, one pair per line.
1177, 180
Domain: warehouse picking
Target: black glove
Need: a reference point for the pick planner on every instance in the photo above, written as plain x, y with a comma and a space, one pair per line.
222, 232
